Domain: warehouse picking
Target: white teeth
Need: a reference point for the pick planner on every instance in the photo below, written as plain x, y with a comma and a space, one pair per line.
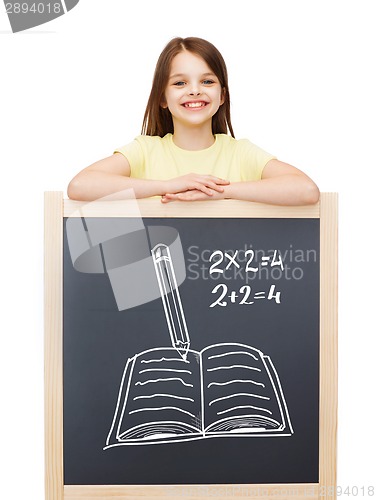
194, 104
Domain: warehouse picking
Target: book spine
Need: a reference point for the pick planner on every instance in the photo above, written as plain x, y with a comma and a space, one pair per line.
202, 394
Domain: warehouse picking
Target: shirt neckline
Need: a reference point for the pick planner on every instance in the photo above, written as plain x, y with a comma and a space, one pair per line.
188, 151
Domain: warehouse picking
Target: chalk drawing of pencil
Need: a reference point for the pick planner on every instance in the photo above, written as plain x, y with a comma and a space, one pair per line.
171, 299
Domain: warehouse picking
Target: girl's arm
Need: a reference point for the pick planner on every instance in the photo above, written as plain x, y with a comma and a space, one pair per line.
105, 177
112, 175
281, 184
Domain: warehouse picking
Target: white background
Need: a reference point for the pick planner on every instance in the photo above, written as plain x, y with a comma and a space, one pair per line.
302, 81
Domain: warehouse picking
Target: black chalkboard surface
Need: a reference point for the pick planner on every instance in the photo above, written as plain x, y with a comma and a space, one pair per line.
239, 403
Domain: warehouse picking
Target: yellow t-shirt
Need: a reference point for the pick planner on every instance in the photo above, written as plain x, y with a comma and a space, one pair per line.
158, 158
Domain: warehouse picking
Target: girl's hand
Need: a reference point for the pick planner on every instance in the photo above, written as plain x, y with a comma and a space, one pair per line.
191, 195
206, 184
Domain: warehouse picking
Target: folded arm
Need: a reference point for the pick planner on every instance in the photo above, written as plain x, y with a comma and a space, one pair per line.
281, 184
112, 175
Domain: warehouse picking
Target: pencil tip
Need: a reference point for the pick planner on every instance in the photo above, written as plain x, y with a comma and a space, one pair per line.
183, 350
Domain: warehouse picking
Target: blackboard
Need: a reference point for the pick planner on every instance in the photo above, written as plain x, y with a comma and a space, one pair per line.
246, 406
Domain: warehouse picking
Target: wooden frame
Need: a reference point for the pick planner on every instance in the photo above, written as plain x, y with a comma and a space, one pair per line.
55, 210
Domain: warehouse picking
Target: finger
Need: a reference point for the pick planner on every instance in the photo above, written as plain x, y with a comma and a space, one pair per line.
218, 180
216, 187
212, 185
194, 196
204, 189
185, 196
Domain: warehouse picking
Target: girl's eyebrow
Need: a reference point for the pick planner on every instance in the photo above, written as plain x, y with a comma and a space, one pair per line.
182, 75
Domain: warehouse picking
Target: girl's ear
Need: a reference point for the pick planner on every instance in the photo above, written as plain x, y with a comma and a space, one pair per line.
163, 103
223, 96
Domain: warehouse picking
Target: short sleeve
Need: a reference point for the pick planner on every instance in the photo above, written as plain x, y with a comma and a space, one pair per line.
134, 154
252, 160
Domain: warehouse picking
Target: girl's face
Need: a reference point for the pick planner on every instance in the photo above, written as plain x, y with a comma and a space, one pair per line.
193, 93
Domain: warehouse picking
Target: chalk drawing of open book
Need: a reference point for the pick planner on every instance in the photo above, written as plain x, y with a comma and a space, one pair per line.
170, 394
225, 390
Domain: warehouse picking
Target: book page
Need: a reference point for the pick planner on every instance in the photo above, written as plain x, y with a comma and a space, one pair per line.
159, 398
241, 391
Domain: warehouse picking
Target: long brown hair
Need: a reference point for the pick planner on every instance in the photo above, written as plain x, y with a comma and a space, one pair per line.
158, 120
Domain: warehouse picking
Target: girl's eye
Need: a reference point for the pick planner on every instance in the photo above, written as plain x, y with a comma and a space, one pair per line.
208, 82
179, 84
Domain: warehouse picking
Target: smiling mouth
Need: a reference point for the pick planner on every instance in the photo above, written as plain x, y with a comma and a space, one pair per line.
195, 104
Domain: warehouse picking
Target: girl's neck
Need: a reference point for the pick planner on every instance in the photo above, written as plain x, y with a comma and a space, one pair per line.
193, 139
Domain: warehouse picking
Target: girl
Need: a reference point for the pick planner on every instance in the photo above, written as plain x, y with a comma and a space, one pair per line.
185, 152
